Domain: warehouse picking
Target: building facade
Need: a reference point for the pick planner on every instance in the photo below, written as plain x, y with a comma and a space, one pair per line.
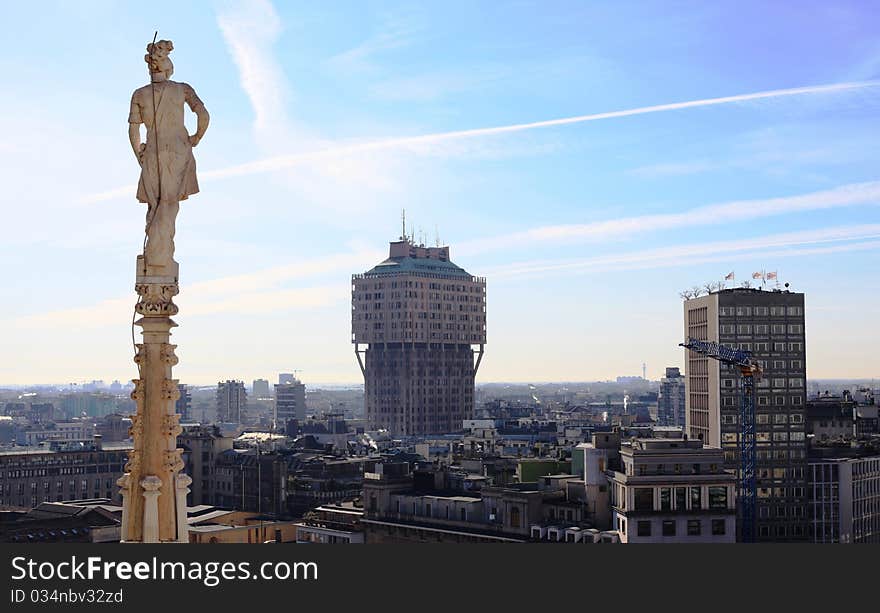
420, 317
672, 491
231, 402
671, 399
59, 471
844, 500
202, 446
770, 324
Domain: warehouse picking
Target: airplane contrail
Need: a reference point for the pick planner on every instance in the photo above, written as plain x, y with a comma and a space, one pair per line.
285, 161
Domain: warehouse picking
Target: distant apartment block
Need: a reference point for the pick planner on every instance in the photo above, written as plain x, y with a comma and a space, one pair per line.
184, 403
231, 402
420, 317
261, 388
290, 402
671, 399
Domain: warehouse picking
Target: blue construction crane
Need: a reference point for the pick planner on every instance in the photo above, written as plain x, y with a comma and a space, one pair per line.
750, 370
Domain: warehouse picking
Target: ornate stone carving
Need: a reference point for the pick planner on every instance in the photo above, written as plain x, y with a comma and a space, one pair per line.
170, 390
167, 354
171, 425
173, 461
156, 299
138, 392
136, 429
134, 461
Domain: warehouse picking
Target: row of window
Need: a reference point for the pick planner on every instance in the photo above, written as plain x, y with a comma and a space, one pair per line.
760, 311
762, 329
669, 527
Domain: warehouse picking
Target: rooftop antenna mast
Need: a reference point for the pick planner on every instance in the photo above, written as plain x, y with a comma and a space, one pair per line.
437, 235
403, 224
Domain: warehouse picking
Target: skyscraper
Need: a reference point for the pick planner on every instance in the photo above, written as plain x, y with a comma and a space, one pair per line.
231, 401
771, 325
671, 399
420, 316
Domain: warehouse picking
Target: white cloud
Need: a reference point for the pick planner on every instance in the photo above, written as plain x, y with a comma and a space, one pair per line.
250, 29
779, 245
729, 212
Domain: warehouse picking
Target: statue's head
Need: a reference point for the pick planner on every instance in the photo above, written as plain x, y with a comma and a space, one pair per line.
157, 58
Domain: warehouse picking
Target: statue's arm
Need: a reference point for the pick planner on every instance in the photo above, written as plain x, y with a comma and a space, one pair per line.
134, 137
134, 129
197, 107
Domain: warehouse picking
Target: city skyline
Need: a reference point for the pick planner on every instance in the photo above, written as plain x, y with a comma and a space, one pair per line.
569, 165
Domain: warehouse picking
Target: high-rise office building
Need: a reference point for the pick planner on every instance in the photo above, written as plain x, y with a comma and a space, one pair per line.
286, 377
771, 325
290, 403
231, 401
420, 317
671, 399
261, 388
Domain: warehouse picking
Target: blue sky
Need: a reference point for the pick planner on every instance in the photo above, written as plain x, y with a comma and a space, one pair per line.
326, 121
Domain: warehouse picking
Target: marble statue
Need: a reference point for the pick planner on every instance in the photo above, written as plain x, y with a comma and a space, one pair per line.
152, 487
168, 168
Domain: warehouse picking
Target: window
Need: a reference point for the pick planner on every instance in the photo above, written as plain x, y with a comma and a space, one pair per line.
514, 517
680, 498
744, 311
644, 499
643, 528
665, 499
694, 527
668, 527
719, 527
717, 497
696, 498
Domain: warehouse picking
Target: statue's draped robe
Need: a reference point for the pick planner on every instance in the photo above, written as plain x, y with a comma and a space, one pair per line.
175, 160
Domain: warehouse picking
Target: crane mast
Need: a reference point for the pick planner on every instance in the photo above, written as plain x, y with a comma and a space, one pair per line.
750, 371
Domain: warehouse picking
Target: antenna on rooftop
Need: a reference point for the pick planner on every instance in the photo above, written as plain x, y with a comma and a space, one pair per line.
437, 235
403, 224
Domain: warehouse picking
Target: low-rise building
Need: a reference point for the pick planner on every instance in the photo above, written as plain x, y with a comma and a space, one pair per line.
333, 524
672, 490
58, 471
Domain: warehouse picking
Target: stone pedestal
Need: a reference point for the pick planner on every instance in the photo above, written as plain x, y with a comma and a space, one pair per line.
152, 506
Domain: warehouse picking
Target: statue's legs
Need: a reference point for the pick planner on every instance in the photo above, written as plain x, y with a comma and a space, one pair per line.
160, 234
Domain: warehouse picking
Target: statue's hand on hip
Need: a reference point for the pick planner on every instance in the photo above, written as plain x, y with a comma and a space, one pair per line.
194, 140
140, 154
